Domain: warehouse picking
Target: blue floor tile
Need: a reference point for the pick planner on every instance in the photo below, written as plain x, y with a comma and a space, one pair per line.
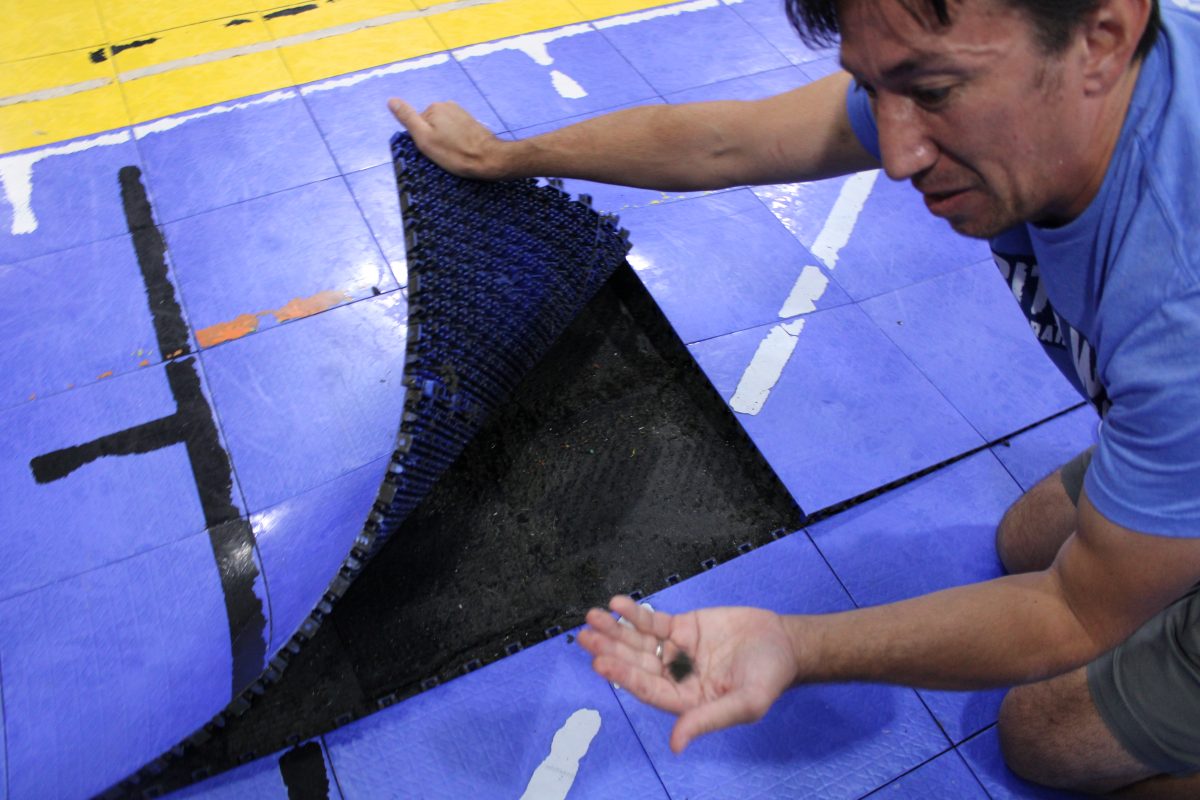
375, 191
1035, 454
661, 45
723, 263
552, 75
98, 679
308, 247
104, 511
487, 733
966, 333
895, 241
928, 535
750, 87
232, 152
70, 317
848, 412
947, 777
264, 779
834, 741
304, 540
768, 18
62, 196
822, 68
309, 401
351, 111
983, 756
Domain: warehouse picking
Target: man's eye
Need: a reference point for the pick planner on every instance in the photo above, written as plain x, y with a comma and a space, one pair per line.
931, 98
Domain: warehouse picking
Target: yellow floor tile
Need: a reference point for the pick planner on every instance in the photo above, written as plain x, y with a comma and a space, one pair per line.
89, 100
496, 21
332, 43
35, 27
599, 9
125, 19
199, 65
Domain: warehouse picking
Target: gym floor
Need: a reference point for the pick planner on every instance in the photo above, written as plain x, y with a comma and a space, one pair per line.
243, 391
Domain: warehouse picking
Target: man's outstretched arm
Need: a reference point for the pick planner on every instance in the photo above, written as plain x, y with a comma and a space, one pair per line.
1106, 582
803, 134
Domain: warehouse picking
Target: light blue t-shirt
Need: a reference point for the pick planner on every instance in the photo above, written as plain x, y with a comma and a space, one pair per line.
1114, 296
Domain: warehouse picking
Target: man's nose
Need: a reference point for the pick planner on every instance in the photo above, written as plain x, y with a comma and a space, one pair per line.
904, 145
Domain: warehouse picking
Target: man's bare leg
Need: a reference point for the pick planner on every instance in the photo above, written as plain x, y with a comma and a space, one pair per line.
1035, 527
1051, 733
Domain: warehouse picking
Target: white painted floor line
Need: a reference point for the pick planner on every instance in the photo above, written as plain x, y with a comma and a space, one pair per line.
16, 175
656, 13
531, 44
775, 350
553, 778
807, 290
170, 123
843, 217
766, 368
356, 78
567, 86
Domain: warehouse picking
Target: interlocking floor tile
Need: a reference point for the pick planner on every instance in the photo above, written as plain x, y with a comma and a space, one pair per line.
302, 771
723, 263
488, 734
834, 406
303, 540
966, 333
375, 192
352, 112
768, 18
834, 741
94, 322
103, 509
663, 48
982, 755
947, 777
231, 152
274, 258
66, 704
749, 87
309, 401
1035, 454
62, 196
893, 239
928, 535
552, 75
33, 28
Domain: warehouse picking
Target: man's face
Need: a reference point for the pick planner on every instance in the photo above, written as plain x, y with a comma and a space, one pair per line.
987, 125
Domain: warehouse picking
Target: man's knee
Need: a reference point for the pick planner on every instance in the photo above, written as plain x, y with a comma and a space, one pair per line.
1035, 526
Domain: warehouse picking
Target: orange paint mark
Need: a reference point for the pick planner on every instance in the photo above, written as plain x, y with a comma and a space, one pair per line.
104, 375
145, 362
176, 354
235, 328
299, 307
33, 396
245, 324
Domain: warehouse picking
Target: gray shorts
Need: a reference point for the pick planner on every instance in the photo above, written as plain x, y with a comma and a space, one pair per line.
1147, 688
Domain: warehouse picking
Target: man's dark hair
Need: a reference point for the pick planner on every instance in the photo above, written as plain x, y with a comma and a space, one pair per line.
817, 20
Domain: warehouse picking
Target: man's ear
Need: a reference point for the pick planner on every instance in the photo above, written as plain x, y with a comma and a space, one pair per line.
1110, 39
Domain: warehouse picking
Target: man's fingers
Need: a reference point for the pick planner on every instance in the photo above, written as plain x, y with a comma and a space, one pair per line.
649, 687
599, 644
652, 623
734, 708
406, 115
602, 621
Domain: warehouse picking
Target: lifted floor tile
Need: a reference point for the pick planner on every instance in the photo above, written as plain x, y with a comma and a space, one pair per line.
1035, 454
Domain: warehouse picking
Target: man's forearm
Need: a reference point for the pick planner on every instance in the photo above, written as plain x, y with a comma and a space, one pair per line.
1007, 631
800, 135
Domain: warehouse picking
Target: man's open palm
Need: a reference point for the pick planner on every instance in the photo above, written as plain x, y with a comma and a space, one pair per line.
716, 668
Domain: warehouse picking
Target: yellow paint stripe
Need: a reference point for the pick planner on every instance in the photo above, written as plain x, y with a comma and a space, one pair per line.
49, 99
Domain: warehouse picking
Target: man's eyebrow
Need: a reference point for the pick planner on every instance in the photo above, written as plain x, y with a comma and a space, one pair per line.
904, 69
